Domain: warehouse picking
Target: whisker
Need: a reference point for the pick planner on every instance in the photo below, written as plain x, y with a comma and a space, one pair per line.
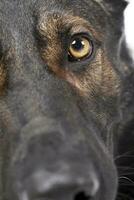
125, 167
124, 154
127, 173
126, 178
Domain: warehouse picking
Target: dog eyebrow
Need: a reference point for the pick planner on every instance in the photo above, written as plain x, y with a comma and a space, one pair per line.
66, 20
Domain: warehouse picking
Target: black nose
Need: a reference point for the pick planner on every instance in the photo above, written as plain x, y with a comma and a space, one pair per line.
63, 186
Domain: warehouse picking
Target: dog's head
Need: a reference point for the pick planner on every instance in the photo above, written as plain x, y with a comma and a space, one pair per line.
59, 89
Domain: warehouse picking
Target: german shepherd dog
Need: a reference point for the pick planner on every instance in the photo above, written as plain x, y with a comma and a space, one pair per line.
66, 101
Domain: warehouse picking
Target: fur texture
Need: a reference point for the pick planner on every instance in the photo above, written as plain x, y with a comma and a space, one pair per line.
63, 121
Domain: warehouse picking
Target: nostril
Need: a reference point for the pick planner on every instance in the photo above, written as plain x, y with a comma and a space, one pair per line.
82, 196
78, 196
64, 186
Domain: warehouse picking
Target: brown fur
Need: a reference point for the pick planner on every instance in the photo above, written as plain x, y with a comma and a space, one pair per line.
100, 75
2, 78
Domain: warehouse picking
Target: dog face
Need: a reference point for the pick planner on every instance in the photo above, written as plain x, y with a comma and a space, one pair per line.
58, 98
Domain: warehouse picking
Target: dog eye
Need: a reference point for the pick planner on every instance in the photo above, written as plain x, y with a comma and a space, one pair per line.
80, 48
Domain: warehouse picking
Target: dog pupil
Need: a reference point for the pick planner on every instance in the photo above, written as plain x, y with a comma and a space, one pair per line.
78, 44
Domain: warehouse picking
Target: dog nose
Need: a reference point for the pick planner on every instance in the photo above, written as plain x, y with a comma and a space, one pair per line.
63, 186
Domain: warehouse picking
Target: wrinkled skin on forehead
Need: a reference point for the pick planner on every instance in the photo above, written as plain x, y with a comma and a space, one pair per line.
53, 111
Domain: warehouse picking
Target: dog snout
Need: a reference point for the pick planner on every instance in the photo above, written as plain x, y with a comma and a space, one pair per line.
50, 164
66, 185
55, 168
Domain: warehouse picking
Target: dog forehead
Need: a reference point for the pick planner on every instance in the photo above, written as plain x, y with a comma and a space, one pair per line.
28, 9
18, 15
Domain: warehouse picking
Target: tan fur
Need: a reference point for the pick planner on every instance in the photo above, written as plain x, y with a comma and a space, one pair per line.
99, 76
2, 78
50, 24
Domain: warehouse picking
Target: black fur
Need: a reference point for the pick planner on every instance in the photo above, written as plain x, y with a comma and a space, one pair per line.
49, 127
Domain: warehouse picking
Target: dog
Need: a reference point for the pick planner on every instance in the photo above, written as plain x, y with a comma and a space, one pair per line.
65, 100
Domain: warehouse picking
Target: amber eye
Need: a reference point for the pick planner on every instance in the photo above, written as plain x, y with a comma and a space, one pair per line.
80, 47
